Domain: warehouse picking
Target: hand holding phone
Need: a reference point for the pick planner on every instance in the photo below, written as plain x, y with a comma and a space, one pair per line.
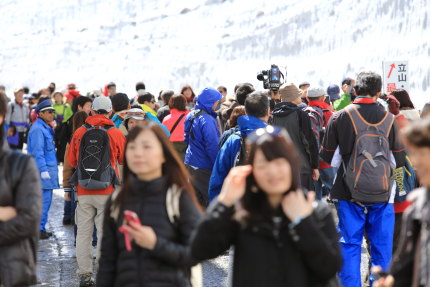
131, 216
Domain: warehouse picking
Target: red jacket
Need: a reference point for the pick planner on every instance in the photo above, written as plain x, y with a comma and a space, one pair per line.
328, 112
170, 120
117, 145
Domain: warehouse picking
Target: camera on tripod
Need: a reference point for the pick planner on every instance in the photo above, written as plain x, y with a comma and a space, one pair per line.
271, 78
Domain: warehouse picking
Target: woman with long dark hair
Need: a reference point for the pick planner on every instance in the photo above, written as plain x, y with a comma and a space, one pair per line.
154, 251
281, 237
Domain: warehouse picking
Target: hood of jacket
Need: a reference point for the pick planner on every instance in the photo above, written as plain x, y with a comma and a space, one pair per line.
207, 99
248, 124
284, 109
99, 120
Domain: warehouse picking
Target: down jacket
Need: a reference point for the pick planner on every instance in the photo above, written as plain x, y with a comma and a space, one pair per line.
168, 264
18, 236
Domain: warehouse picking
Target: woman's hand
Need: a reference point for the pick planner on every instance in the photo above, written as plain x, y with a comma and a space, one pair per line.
144, 236
7, 213
383, 282
295, 204
234, 185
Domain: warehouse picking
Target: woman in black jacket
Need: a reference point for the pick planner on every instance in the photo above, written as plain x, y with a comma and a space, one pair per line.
160, 254
280, 236
20, 208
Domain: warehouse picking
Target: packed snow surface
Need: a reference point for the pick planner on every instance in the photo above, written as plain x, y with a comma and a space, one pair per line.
168, 43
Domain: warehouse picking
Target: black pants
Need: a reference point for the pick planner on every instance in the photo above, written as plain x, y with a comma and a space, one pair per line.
200, 181
306, 179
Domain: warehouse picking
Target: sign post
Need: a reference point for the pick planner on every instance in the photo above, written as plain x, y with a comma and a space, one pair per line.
395, 76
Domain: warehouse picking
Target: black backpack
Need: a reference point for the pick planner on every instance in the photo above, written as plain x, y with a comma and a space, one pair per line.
94, 171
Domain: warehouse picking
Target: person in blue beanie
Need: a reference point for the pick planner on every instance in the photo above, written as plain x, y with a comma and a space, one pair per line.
202, 136
41, 146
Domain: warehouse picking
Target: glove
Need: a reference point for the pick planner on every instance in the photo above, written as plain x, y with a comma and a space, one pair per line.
393, 105
45, 175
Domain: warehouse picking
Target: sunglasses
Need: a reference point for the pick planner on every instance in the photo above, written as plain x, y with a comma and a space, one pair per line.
266, 134
50, 112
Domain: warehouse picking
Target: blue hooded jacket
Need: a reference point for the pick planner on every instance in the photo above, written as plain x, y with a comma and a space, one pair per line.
41, 146
227, 154
202, 151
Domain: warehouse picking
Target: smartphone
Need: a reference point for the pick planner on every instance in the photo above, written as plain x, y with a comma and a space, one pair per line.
131, 216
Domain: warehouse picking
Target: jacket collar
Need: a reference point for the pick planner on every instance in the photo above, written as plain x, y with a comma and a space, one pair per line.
99, 120
363, 100
319, 104
248, 124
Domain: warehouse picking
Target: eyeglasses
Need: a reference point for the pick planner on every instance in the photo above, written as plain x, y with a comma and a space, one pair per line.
266, 134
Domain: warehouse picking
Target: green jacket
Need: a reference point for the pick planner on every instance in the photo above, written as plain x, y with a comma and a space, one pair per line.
344, 101
63, 109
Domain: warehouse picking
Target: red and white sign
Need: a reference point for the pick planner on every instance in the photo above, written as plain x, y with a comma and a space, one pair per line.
395, 76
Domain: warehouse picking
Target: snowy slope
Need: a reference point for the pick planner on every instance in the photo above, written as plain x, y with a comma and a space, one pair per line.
169, 43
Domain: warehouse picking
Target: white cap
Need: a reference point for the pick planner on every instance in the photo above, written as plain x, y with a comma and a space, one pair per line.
102, 103
316, 92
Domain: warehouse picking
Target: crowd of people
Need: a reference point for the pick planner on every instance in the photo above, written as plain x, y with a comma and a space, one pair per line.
160, 184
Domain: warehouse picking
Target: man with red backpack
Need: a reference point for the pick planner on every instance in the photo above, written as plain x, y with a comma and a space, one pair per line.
95, 151
367, 138
320, 113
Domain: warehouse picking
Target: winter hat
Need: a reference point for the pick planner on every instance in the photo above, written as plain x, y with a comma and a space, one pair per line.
102, 103
289, 92
333, 92
44, 106
316, 92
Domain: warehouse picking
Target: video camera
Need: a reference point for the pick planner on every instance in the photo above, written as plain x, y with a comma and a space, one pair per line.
271, 78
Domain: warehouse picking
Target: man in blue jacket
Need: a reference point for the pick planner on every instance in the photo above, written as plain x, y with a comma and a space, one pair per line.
202, 135
41, 146
257, 114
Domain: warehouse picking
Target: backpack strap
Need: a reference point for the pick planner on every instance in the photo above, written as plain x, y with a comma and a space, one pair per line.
176, 123
359, 123
196, 114
172, 203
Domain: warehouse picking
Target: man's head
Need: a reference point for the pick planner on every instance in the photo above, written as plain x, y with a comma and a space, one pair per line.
166, 95
222, 90
369, 84
102, 106
51, 87
209, 98
19, 95
111, 88
140, 86
316, 94
290, 93
257, 104
45, 111
2, 90
82, 104
243, 92
120, 102
147, 99
71, 86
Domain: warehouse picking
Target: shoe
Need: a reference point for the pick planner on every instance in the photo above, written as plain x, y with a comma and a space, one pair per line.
67, 221
45, 235
86, 280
